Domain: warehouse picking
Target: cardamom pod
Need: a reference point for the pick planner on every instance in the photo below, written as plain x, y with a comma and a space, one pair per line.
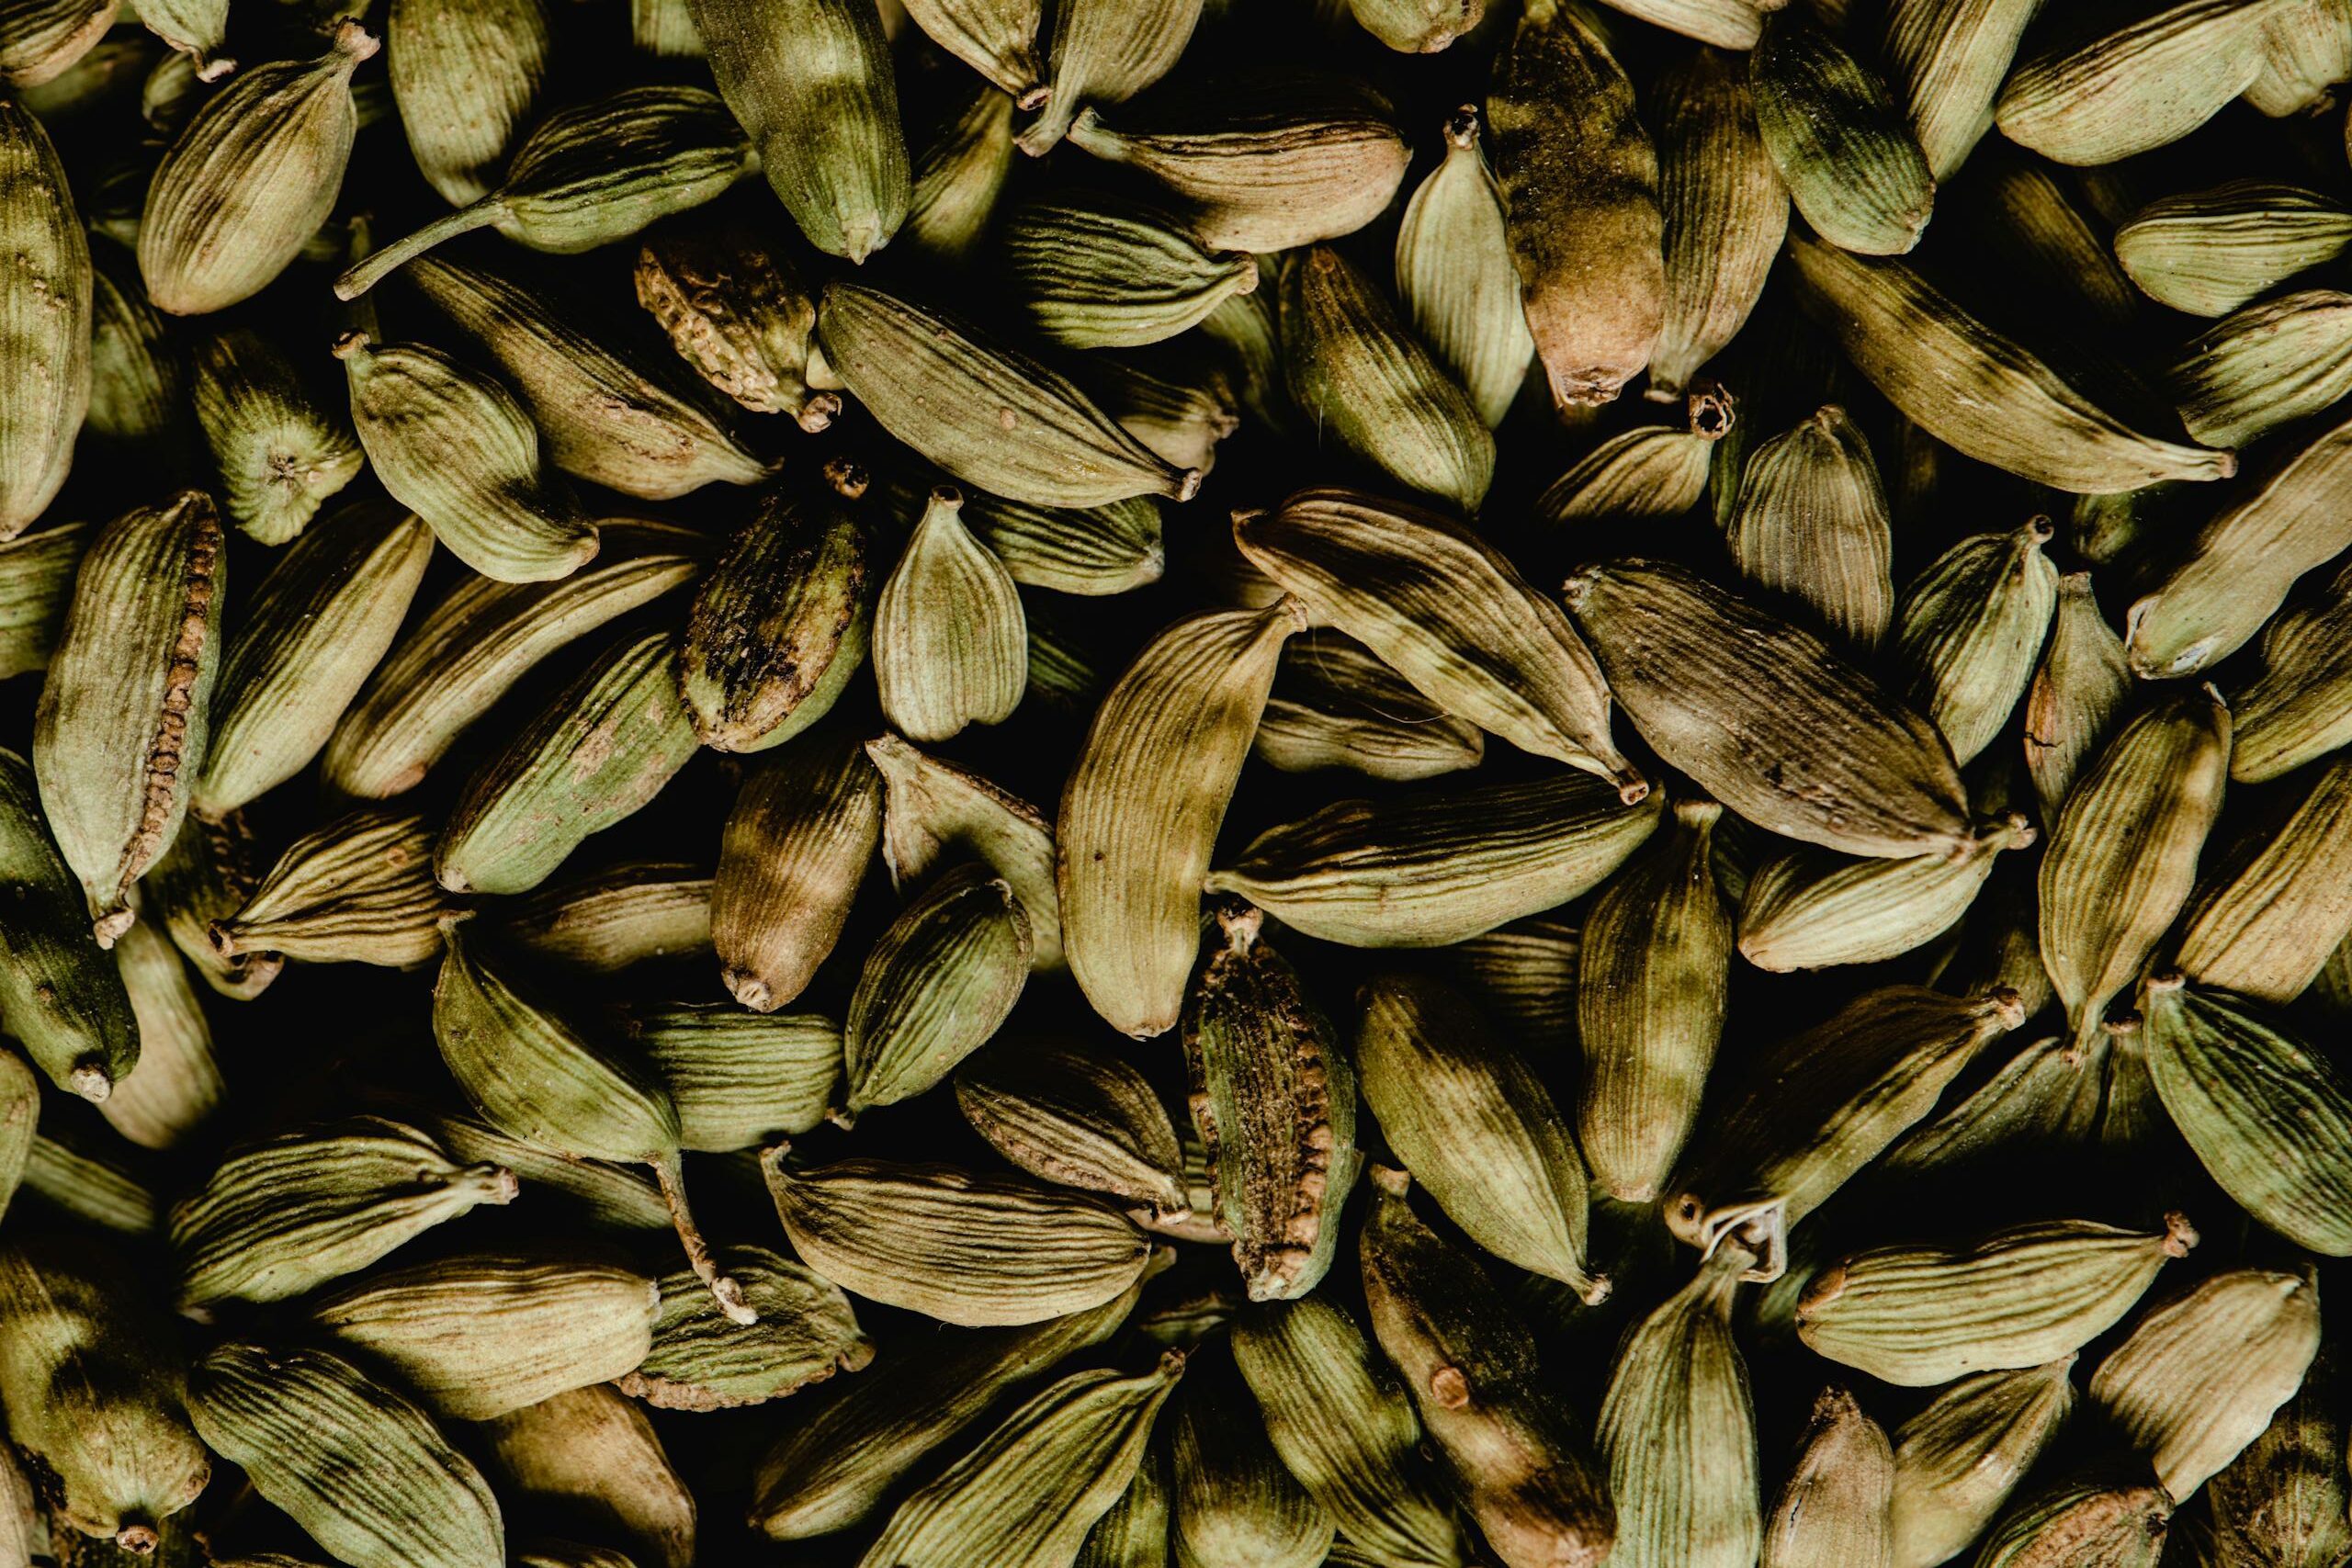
1335, 704
1851, 164
1947, 58
1133, 1531
45, 321
1081, 1118
2294, 708
251, 178
1454, 270
176, 1090
2043, 238
1232, 1504
737, 311
1650, 471
1525, 975
1272, 1095
1373, 392
364, 1472
1958, 1459
36, 572
591, 1454
124, 713
820, 104
1418, 27
593, 1195
195, 28
1821, 1105
1098, 271
281, 449
931, 808
1434, 866
951, 644
1975, 388
1811, 525
601, 750
44, 41
703, 1358
1738, 699
590, 174
1176, 397
458, 448
279, 1217
82, 1175
465, 77
2087, 1521
935, 987
484, 1333
978, 1251
2264, 366
2201, 1376
791, 858
307, 638
1971, 630
357, 889
210, 871
1580, 204
740, 1079
1836, 1505
1143, 802
64, 999
1920, 1316
607, 920
2282, 1500
2079, 691
2123, 859
1810, 910
2267, 929
2149, 81
960, 170
1723, 208
2209, 251
1446, 609
996, 38
1528, 1483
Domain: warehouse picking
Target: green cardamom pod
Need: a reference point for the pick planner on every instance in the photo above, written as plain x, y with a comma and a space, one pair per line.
1103, 52
1852, 165
83, 1174
210, 870
1133, 1532
1836, 1505
951, 644
996, 38
1812, 525
43, 40
1946, 60
935, 987
1722, 204
1232, 1503
1454, 269
2264, 366
592, 1453
45, 319
2265, 929
1971, 630
466, 78
2282, 1501
63, 998
960, 170
791, 858
592, 1195
1810, 910
2079, 691
2209, 251
2295, 709
705, 1358
1081, 1118
737, 311
176, 1088
2098, 100
357, 889
608, 920
1335, 704
933, 808
1094, 271
281, 447
1650, 471
1958, 1459
37, 571
741, 1080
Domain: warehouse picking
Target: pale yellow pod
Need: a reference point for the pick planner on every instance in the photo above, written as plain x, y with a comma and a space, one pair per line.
1454, 270
2139, 86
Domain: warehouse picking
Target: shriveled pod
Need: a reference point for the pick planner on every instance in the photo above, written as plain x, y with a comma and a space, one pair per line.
737, 311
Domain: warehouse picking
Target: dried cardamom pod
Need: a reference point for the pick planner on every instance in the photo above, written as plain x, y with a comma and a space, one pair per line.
609, 414
45, 321
1525, 976
1810, 910
43, 40
195, 28
1969, 632
705, 1359
1654, 960
1335, 1414
1336, 705
357, 889
307, 640
2078, 693
92, 1382
1580, 203
1081, 1118
543, 1078
1092, 550
84, 1176
1946, 60
2123, 859
2201, 1375
465, 77
2295, 709
1836, 1505
1099, 271
931, 808
1274, 1098
959, 170
1737, 698
737, 311
951, 644
1437, 865
1977, 389
280, 1217
590, 174
281, 449
836, 1468
1920, 1316
1372, 389
2264, 366
1821, 1105
1724, 206
996, 38
1851, 164
1651, 470
2209, 251
254, 174
210, 871
1176, 397
822, 105
1454, 269
2100, 99
978, 1251
1232, 1504
935, 987
2282, 1501
1133, 1531
1260, 161
591, 1455
1418, 27
1448, 610
984, 412
1812, 525
593, 1195
740, 1079
2087, 1521
608, 921
473, 646
1958, 1459
63, 998
175, 1088
124, 713
1028, 1494
2305, 54
2266, 930
457, 448
1143, 802
791, 858
1530, 1485
2244, 561
2258, 1106
363, 1471
1677, 1429
483, 1333
594, 756
36, 572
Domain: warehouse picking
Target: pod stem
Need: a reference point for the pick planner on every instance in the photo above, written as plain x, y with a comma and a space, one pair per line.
729, 1293
368, 273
